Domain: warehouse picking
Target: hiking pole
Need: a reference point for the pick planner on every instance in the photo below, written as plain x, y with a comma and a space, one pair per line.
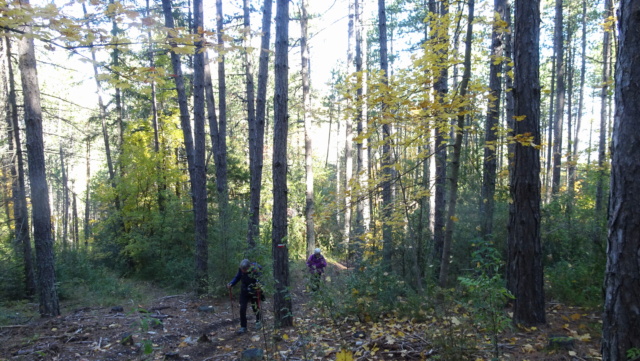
231, 301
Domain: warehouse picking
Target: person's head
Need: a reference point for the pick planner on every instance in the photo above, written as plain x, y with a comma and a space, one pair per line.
317, 251
244, 265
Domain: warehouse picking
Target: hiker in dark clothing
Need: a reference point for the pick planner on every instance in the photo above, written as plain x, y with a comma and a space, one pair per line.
316, 264
250, 291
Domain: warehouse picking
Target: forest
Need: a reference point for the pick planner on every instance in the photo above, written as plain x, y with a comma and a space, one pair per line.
467, 167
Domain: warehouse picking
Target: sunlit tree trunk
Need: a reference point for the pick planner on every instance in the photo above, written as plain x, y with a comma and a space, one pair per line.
41, 211
440, 9
602, 144
583, 67
457, 150
524, 248
308, 145
560, 98
487, 202
621, 320
348, 143
280, 251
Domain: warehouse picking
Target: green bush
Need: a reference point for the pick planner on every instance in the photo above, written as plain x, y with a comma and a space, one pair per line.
577, 284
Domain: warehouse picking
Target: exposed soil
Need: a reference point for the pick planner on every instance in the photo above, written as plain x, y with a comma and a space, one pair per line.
184, 327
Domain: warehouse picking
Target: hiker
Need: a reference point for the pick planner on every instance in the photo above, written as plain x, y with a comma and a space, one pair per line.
250, 291
316, 264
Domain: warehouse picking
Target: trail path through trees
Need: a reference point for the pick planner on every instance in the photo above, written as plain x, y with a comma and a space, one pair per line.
186, 327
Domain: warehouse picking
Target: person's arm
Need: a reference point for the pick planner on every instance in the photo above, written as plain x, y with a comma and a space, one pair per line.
235, 279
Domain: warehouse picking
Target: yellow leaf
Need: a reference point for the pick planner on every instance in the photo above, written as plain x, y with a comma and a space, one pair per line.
575, 316
528, 348
285, 337
344, 355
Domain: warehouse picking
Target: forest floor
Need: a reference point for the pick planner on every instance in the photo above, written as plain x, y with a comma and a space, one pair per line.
185, 327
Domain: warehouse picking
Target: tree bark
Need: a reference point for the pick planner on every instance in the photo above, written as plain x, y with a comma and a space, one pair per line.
280, 251
621, 321
195, 179
487, 202
524, 249
308, 144
457, 150
41, 211
221, 155
560, 98
441, 87
199, 186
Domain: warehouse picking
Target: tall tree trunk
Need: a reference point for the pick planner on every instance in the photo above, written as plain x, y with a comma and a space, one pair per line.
65, 198
281, 299
221, 156
602, 144
457, 150
199, 186
74, 218
20, 210
359, 179
257, 147
87, 200
308, 145
348, 143
41, 211
560, 95
583, 68
524, 249
441, 88
189, 147
487, 203
621, 321
386, 158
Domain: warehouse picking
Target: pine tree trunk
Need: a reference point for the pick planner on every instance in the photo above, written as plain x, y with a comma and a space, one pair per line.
524, 248
41, 211
221, 155
560, 98
199, 186
280, 251
621, 320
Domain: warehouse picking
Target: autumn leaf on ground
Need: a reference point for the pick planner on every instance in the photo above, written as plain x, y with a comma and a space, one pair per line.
344, 355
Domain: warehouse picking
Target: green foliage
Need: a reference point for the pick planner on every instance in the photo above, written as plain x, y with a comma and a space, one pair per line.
633, 354
81, 278
370, 293
487, 294
11, 274
578, 284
